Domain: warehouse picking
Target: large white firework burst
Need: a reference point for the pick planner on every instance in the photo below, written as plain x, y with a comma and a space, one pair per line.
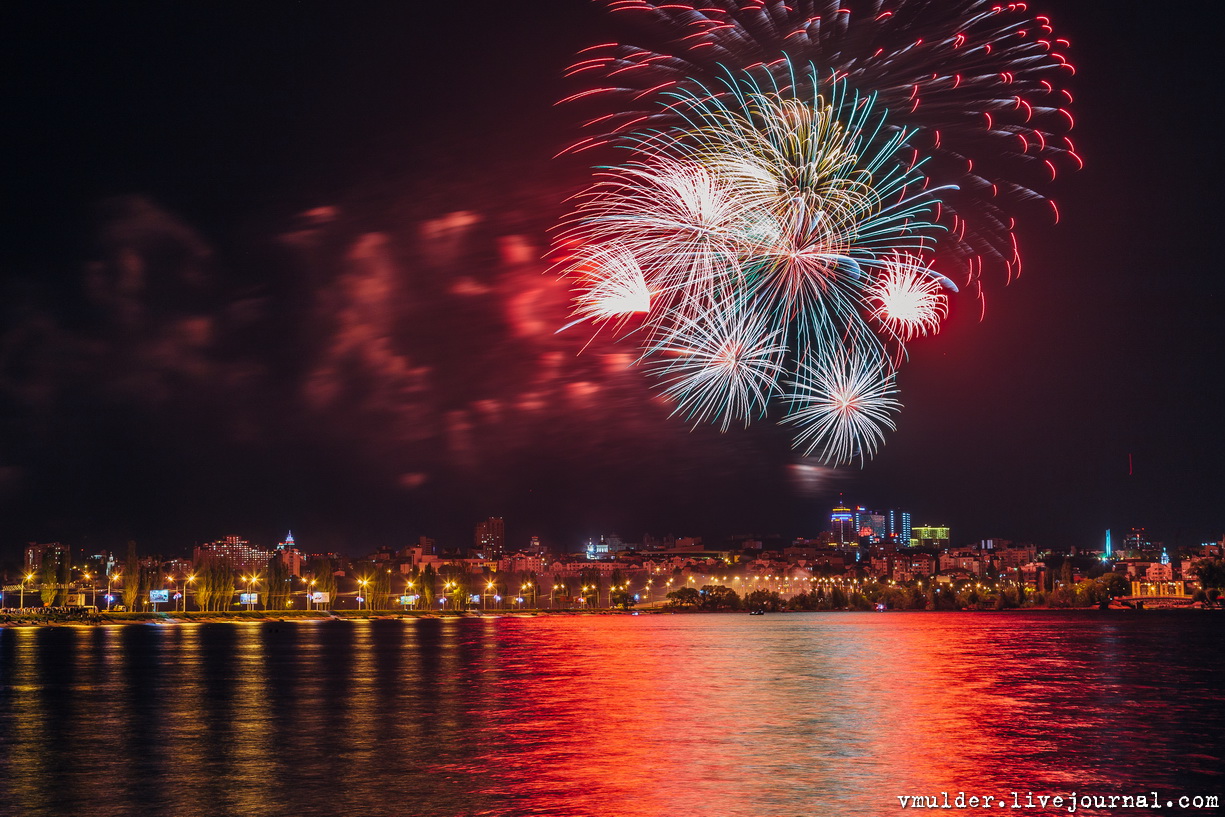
794, 167
724, 366
843, 406
679, 222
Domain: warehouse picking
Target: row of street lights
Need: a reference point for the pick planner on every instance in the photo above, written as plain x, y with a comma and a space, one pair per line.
450, 587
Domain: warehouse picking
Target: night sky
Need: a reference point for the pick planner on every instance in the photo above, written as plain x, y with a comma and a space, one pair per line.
277, 266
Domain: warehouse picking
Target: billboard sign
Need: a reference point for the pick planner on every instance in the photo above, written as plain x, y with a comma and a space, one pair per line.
248, 598
156, 596
407, 600
321, 598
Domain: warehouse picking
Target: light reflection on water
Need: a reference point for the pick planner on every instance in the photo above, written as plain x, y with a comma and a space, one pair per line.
797, 714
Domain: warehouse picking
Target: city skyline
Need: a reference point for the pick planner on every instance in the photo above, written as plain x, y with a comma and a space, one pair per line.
327, 312
891, 528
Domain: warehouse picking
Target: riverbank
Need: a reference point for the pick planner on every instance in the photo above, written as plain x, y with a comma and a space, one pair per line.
257, 616
290, 616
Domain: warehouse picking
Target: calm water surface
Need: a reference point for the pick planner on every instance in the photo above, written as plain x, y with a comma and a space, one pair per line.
720, 715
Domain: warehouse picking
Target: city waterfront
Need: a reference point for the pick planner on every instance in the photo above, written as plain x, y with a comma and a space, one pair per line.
783, 714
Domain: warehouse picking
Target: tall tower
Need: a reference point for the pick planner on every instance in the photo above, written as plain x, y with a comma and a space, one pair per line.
842, 524
899, 527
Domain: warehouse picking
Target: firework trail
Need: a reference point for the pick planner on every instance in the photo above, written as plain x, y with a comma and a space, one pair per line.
792, 175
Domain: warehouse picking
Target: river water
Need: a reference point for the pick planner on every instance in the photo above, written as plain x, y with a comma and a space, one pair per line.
794, 715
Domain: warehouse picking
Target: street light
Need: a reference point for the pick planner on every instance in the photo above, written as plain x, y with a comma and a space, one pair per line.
191, 579
363, 583
29, 577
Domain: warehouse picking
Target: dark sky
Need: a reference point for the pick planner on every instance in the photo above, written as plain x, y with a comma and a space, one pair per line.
276, 266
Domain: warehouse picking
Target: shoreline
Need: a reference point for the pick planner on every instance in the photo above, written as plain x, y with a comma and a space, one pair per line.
289, 616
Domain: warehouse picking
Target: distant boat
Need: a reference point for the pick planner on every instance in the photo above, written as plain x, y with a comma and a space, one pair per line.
757, 612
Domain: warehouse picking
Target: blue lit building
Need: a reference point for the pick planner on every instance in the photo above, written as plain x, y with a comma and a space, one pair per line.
899, 527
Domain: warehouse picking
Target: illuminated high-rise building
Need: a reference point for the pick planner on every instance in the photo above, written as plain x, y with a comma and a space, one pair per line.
899, 527
1136, 543
842, 525
850, 524
869, 525
290, 556
37, 553
930, 536
238, 551
489, 539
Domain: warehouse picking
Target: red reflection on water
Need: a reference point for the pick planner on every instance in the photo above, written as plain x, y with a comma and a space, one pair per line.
719, 716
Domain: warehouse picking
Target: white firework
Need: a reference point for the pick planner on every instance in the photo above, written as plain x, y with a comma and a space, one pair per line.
679, 221
723, 366
843, 405
753, 239
610, 285
908, 297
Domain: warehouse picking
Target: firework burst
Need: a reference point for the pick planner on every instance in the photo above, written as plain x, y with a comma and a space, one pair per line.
908, 297
843, 406
792, 176
609, 285
978, 85
724, 367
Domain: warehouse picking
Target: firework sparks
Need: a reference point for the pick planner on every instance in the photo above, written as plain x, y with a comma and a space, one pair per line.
610, 286
724, 367
843, 407
978, 85
908, 298
794, 172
